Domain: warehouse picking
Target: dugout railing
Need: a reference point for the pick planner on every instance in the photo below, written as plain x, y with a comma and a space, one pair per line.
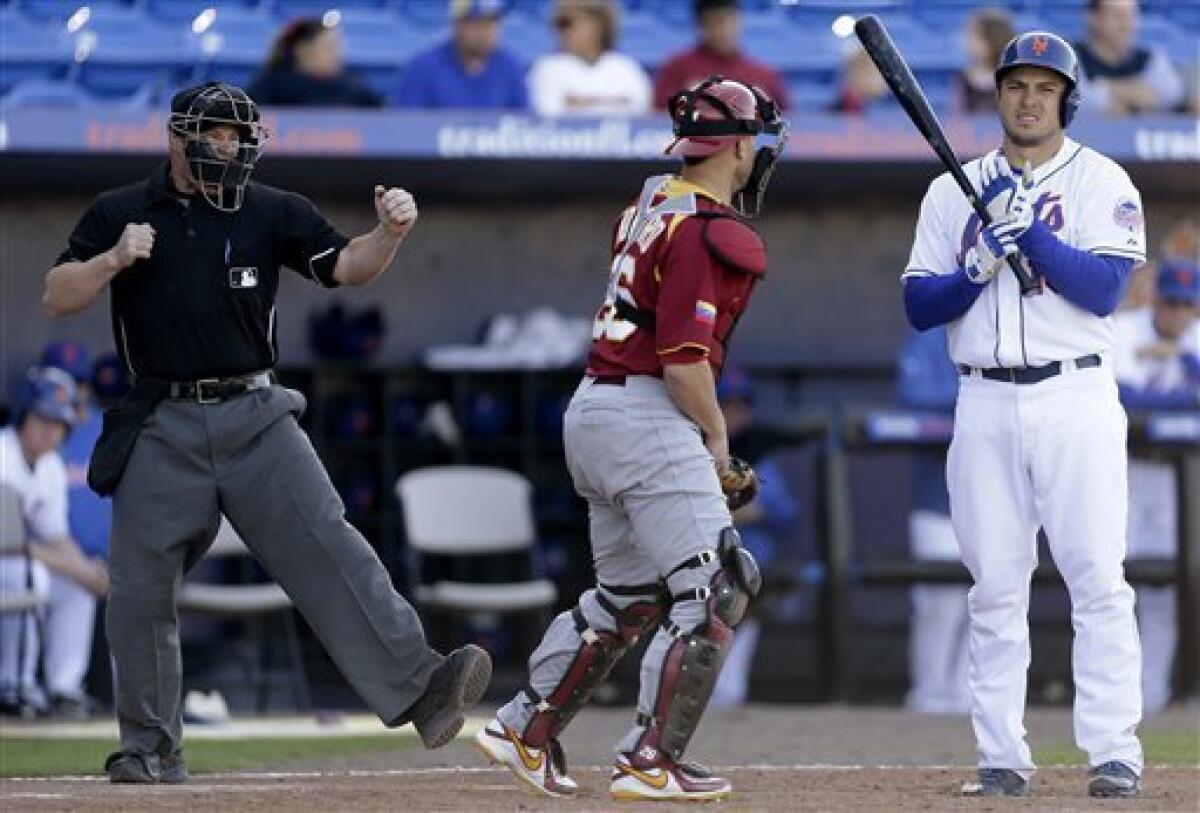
862, 430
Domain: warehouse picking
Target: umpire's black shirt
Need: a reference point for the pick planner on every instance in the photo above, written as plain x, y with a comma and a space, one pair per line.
203, 304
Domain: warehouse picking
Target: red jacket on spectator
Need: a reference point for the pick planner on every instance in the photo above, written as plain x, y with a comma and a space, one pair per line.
686, 69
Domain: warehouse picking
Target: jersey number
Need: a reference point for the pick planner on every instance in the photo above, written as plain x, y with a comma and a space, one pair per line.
608, 325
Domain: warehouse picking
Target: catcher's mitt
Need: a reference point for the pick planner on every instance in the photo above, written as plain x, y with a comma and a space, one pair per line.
739, 482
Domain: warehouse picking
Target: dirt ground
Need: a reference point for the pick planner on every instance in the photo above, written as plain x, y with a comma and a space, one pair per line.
777, 758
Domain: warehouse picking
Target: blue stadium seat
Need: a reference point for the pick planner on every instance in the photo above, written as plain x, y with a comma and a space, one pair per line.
47, 93
234, 44
288, 9
380, 36
812, 97
1181, 45
60, 10
31, 49
177, 11
644, 37
118, 48
1187, 14
527, 37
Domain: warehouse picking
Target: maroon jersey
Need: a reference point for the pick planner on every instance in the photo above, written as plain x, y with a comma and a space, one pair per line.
682, 274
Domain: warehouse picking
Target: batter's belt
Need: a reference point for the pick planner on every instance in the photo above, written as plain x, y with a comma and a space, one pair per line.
1031, 375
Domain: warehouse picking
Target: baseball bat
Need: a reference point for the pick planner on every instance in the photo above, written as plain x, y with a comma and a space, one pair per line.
899, 77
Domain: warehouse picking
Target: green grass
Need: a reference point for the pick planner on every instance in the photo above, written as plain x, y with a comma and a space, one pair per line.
1162, 748
28, 756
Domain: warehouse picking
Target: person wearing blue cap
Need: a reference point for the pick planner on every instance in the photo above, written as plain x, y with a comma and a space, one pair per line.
1157, 364
927, 380
71, 622
468, 70
53, 565
764, 523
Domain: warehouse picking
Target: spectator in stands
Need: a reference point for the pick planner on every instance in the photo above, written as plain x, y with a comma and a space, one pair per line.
928, 380
862, 85
1157, 366
305, 69
717, 52
53, 565
587, 77
468, 70
988, 31
89, 517
764, 524
1118, 76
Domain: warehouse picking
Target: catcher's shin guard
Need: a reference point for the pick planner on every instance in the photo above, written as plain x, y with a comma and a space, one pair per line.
599, 651
694, 659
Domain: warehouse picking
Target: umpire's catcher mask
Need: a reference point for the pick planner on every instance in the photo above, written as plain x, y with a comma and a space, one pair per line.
711, 116
222, 178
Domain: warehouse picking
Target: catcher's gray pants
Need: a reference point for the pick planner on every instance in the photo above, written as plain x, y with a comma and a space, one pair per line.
248, 459
653, 501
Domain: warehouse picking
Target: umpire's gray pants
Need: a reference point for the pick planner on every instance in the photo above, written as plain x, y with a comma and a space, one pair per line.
248, 459
654, 500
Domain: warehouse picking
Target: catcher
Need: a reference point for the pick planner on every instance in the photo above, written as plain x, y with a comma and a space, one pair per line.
647, 447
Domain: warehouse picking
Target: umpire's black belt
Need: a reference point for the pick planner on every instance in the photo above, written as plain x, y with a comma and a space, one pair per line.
215, 390
1029, 375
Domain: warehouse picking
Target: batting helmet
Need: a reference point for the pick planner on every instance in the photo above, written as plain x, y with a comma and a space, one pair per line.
711, 116
49, 394
194, 111
1045, 50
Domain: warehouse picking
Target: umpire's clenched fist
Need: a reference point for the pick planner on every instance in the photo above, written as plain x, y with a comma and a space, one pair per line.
396, 208
136, 243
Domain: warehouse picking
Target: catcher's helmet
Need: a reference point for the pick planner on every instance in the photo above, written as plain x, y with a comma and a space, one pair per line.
1045, 50
709, 117
50, 394
195, 110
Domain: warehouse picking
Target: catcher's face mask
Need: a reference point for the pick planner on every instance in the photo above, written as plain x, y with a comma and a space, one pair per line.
220, 168
702, 133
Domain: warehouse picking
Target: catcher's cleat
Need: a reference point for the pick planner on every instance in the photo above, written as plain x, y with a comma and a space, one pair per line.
997, 782
543, 770
635, 779
1114, 780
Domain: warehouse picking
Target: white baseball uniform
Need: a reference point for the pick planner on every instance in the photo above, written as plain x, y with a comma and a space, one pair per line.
69, 614
1049, 454
1153, 513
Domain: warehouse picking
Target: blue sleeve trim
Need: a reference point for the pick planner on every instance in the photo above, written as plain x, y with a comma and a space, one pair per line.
1094, 282
934, 300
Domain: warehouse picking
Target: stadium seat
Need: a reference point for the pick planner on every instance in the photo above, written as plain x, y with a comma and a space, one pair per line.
47, 93
30, 49
644, 37
60, 10
289, 9
1181, 45
184, 11
527, 37
117, 48
232, 46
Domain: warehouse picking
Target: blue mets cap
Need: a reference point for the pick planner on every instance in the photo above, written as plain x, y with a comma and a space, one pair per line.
49, 394
472, 9
74, 357
1179, 281
735, 385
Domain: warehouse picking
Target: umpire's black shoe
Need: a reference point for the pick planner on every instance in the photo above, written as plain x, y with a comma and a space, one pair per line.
131, 767
1114, 780
456, 685
997, 782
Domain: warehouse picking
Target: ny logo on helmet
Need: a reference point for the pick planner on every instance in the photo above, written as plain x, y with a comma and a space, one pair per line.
1040, 45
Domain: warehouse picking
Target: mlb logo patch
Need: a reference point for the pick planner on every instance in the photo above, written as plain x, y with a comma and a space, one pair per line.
706, 312
243, 276
1127, 214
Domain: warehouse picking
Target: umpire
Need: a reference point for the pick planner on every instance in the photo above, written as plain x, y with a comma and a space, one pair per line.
192, 256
